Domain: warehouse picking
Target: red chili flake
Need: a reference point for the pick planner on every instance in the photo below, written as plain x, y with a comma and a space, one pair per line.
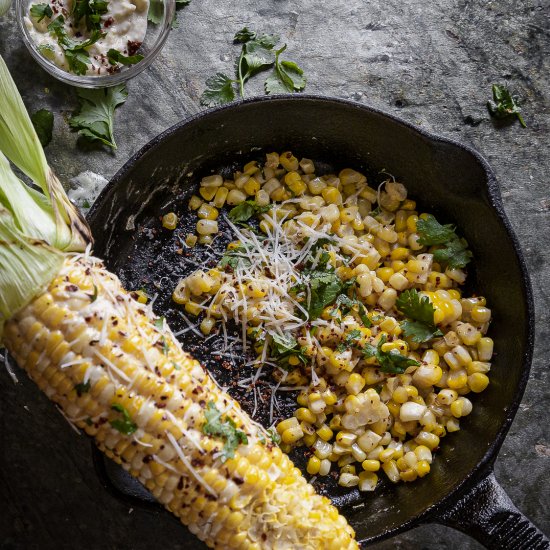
133, 47
71, 288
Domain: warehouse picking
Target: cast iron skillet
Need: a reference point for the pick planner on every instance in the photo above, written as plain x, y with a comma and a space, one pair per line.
447, 178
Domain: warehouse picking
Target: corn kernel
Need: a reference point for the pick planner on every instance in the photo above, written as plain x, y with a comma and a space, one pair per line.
170, 221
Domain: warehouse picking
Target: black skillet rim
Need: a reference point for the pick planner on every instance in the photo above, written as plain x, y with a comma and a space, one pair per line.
485, 464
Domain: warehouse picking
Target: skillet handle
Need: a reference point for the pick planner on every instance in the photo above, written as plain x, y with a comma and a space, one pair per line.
487, 514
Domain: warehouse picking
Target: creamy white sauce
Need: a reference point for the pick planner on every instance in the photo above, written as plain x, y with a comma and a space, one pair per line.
124, 25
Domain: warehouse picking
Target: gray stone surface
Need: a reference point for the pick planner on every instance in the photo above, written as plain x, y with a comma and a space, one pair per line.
431, 63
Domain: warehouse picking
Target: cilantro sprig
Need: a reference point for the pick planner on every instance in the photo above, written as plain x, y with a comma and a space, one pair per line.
40, 11
114, 57
234, 258
94, 119
504, 104
351, 337
91, 11
419, 326
390, 361
75, 51
246, 210
225, 429
454, 250
347, 304
124, 425
257, 54
282, 348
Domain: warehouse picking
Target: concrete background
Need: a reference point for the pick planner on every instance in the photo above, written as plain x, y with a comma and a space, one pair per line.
432, 63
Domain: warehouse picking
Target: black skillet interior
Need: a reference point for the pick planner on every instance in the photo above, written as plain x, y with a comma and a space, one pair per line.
446, 178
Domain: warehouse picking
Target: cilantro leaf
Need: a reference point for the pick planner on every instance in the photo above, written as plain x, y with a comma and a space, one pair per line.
159, 323
430, 231
124, 425
42, 121
244, 211
455, 254
244, 35
415, 306
82, 388
287, 77
94, 119
274, 436
156, 12
225, 429
390, 361
349, 340
75, 51
40, 11
325, 288
219, 90
349, 305
420, 326
91, 11
284, 347
504, 104
114, 57
235, 257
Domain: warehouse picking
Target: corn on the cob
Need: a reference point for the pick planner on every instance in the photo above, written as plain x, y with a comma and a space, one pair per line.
118, 373
89, 345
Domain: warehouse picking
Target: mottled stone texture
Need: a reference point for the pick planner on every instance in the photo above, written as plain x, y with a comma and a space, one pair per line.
431, 63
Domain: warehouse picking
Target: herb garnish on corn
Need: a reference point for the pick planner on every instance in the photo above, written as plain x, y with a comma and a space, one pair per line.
118, 373
352, 297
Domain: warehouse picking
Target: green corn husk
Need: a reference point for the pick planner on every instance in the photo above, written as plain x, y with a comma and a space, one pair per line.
36, 228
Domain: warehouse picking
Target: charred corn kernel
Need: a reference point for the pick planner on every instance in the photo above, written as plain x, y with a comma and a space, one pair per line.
411, 223
205, 239
325, 433
478, 366
468, 334
422, 468
323, 449
453, 425
446, 396
427, 439
461, 407
307, 166
325, 467
408, 475
284, 425
207, 212
480, 314
477, 382
457, 379
193, 308
195, 202
423, 453
316, 186
348, 480
235, 196
427, 375
387, 299
288, 161
367, 481
207, 324
386, 455
370, 465
346, 439
212, 181
485, 349
332, 196
401, 224
141, 296
355, 383
313, 466
391, 470
207, 193
220, 196
305, 415
291, 435
262, 198
302, 399
280, 194
400, 395
207, 227
252, 186
462, 355
170, 221
329, 397
309, 440
191, 240
335, 422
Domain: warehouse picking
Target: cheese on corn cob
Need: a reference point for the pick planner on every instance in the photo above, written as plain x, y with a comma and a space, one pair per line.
118, 373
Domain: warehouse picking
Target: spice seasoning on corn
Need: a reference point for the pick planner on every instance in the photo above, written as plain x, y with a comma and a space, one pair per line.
355, 295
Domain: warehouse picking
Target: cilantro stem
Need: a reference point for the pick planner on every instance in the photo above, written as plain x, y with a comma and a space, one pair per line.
241, 79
